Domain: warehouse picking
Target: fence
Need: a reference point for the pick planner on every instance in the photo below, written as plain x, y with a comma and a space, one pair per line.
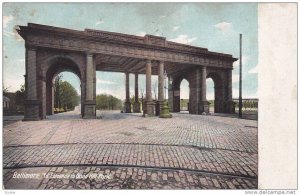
248, 105
249, 108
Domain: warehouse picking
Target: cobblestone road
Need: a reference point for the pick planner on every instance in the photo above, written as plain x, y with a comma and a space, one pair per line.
187, 151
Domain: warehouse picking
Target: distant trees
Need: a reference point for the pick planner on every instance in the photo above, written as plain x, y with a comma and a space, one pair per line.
16, 104
108, 102
65, 95
20, 96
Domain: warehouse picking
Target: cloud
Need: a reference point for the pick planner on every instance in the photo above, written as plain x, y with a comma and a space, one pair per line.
235, 94
99, 22
162, 16
253, 70
8, 34
184, 39
210, 96
13, 84
175, 28
6, 20
20, 60
13, 34
105, 82
141, 34
235, 78
223, 26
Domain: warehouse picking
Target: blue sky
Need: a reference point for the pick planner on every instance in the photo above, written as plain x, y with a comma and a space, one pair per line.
215, 26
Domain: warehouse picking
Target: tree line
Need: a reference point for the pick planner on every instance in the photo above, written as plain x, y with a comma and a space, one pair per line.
65, 95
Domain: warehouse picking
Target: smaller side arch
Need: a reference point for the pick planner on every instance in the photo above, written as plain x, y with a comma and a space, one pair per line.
52, 66
219, 91
176, 91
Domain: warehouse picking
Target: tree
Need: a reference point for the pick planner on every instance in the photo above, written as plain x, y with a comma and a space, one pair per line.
142, 93
5, 90
108, 102
68, 95
65, 95
20, 97
57, 91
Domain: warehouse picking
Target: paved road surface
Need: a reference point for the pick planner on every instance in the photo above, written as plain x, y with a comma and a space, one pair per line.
128, 151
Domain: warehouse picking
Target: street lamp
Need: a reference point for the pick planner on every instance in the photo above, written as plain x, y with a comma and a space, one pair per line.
165, 112
165, 78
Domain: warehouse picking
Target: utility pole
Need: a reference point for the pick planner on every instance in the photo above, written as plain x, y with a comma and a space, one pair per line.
240, 84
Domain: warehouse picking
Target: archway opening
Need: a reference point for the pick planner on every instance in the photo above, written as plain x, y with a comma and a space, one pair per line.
110, 93
67, 93
210, 94
214, 92
184, 96
63, 90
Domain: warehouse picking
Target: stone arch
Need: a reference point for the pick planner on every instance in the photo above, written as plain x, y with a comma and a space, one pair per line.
52, 67
218, 90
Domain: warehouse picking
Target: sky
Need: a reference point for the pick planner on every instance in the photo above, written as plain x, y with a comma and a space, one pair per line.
215, 26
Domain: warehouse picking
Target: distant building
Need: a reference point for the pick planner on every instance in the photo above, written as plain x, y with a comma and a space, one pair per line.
6, 102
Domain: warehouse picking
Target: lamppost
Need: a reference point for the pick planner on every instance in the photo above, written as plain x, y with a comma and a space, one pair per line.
165, 111
165, 79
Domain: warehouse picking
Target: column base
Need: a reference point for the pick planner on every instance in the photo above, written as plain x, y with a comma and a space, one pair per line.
230, 107
149, 108
127, 107
32, 110
137, 107
158, 107
89, 110
203, 107
165, 111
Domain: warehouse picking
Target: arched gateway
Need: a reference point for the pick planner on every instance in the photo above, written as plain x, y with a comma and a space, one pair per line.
50, 50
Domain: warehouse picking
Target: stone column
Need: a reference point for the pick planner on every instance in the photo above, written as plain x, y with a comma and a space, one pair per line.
203, 86
160, 101
203, 104
90, 97
136, 105
127, 100
32, 104
43, 97
50, 97
170, 93
230, 105
198, 89
149, 103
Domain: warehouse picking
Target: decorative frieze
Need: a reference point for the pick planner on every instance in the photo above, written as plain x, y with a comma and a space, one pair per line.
59, 42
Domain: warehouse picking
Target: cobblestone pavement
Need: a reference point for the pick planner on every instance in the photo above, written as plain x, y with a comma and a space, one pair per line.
186, 151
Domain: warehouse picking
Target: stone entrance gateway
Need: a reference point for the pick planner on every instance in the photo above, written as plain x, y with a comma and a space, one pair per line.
51, 50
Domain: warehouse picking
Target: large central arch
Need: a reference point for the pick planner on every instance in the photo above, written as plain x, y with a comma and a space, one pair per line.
58, 64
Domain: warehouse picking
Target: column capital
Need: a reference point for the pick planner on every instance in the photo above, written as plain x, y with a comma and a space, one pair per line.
31, 48
89, 54
148, 61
